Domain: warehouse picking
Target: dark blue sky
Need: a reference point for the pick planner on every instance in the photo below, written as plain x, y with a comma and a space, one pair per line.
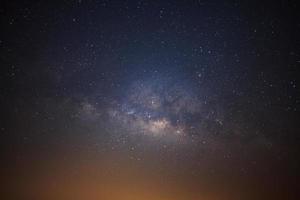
210, 82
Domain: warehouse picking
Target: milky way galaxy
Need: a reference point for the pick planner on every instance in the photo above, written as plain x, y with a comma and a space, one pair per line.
149, 99
157, 109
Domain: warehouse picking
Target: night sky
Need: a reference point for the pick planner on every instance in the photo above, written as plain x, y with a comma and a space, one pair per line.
156, 100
